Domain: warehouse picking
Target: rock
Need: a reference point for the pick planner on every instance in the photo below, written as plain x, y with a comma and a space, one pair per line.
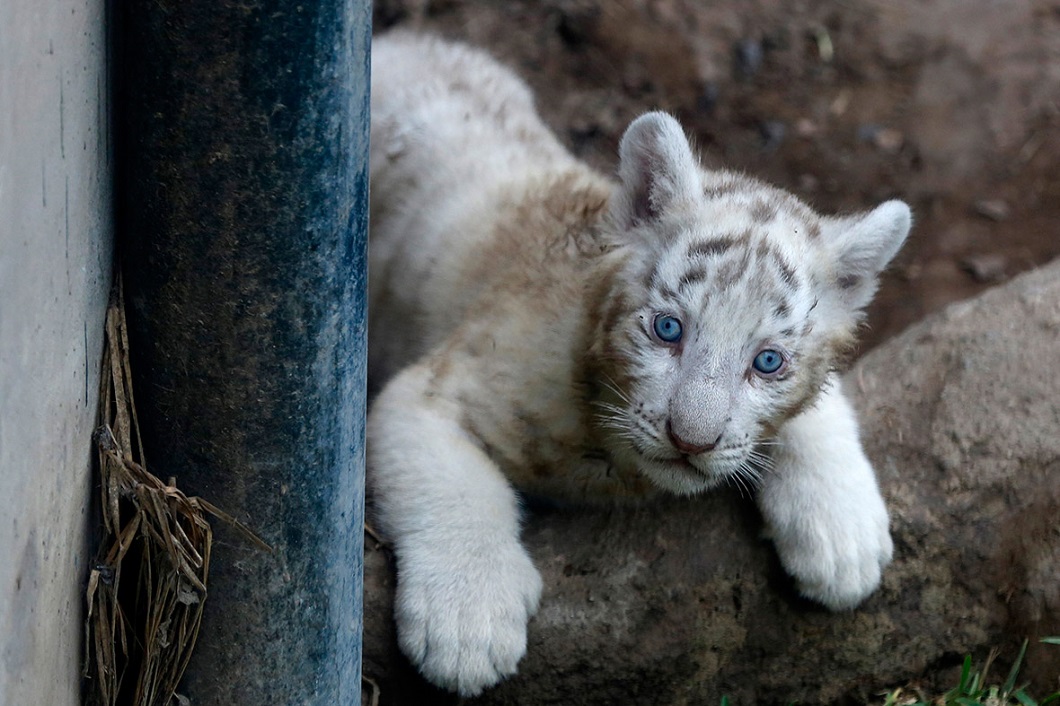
682, 602
578, 21
773, 133
748, 55
806, 128
987, 267
885, 139
993, 209
808, 183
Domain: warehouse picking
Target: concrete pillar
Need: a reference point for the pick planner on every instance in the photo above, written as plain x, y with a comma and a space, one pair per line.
55, 261
242, 217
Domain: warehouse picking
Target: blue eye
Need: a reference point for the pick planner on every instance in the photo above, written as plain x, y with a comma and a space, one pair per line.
667, 328
768, 361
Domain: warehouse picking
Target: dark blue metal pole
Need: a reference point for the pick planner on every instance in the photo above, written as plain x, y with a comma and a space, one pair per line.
242, 131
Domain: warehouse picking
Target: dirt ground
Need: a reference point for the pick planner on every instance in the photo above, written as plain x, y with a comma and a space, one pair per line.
951, 105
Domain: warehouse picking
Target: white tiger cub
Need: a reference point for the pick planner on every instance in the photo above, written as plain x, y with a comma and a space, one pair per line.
540, 327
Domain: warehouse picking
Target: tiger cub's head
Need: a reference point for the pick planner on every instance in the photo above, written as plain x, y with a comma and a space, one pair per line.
732, 303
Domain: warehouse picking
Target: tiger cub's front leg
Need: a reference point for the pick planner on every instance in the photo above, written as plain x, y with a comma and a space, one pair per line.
823, 507
466, 586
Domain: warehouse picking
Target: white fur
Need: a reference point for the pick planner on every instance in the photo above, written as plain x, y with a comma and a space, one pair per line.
466, 586
823, 508
513, 297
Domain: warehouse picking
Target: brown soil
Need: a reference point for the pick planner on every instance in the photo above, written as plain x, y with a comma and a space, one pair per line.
951, 105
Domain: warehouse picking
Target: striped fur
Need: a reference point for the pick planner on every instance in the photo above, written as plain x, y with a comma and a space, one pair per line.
513, 300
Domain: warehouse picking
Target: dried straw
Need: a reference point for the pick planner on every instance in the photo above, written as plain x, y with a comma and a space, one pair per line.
147, 586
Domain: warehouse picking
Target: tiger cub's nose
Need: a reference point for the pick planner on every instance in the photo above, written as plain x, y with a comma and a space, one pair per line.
686, 447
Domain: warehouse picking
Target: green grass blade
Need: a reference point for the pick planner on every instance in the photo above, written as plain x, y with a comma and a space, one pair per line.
1010, 683
962, 685
1024, 699
1053, 640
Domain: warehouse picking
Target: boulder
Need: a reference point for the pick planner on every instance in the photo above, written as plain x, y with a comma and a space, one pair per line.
681, 601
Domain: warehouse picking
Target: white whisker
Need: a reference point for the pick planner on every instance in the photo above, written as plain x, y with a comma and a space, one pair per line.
749, 478
761, 458
611, 385
740, 482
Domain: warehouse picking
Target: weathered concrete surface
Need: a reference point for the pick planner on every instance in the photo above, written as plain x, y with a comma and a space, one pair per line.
55, 257
682, 602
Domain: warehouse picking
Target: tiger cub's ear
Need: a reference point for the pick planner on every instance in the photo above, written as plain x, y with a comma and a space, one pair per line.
657, 171
854, 250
